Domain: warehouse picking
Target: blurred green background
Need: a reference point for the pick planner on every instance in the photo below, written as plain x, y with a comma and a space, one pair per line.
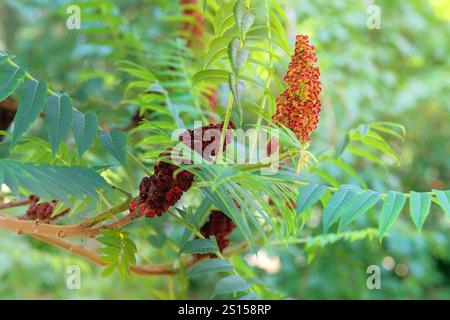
399, 73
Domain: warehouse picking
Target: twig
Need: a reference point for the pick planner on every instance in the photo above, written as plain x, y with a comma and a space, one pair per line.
16, 203
225, 127
55, 231
111, 212
83, 229
139, 163
60, 215
95, 257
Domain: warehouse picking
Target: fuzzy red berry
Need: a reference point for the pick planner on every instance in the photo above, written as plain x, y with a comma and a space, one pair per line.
133, 205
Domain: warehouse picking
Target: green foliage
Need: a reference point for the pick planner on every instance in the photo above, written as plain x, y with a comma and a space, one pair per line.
390, 211
116, 144
360, 206
32, 98
419, 205
211, 265
60, 114
348, 203
339, 203
443, 200
51, 182
238, 55
308, 196
59, 118
142, 64
118, 252
313, 244
199, 246
230, 284
10, 77
84, 127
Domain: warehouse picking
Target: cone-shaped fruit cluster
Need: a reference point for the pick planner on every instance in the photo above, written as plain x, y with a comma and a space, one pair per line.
164, 188
40, 211
298, 107
219, 226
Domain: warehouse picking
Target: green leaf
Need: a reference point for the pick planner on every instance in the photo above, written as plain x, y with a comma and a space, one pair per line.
384, 124
108, 270
393, 205
308, 196
381, 145
224, 19
419, 207
211, 265
58, 119
363, 202
238, 56
84, 127
249, 296
156, 88
379, 126
237, 88
341, 144
244, 19
444, 199
230, 284
119, 252
32, 97
210, 75
199, 246
340, 202
52, 182
218, 49
10, 78
365, 154
110, 241
116, 144
349, 170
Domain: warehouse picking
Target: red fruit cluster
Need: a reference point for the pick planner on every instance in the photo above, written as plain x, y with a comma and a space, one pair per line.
197, 27
40, 211
160, 191
7, 113
298, 107
163, 189
219, 226
205, 140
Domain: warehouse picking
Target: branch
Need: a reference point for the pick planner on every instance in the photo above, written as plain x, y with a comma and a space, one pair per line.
59, 215
111, 212
95, 257
16, 203
57, 231
83, 229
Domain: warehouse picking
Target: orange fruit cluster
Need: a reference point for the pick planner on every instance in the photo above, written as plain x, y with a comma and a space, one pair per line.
298, 107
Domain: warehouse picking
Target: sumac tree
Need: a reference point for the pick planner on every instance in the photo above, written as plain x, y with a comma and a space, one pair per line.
213, 157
